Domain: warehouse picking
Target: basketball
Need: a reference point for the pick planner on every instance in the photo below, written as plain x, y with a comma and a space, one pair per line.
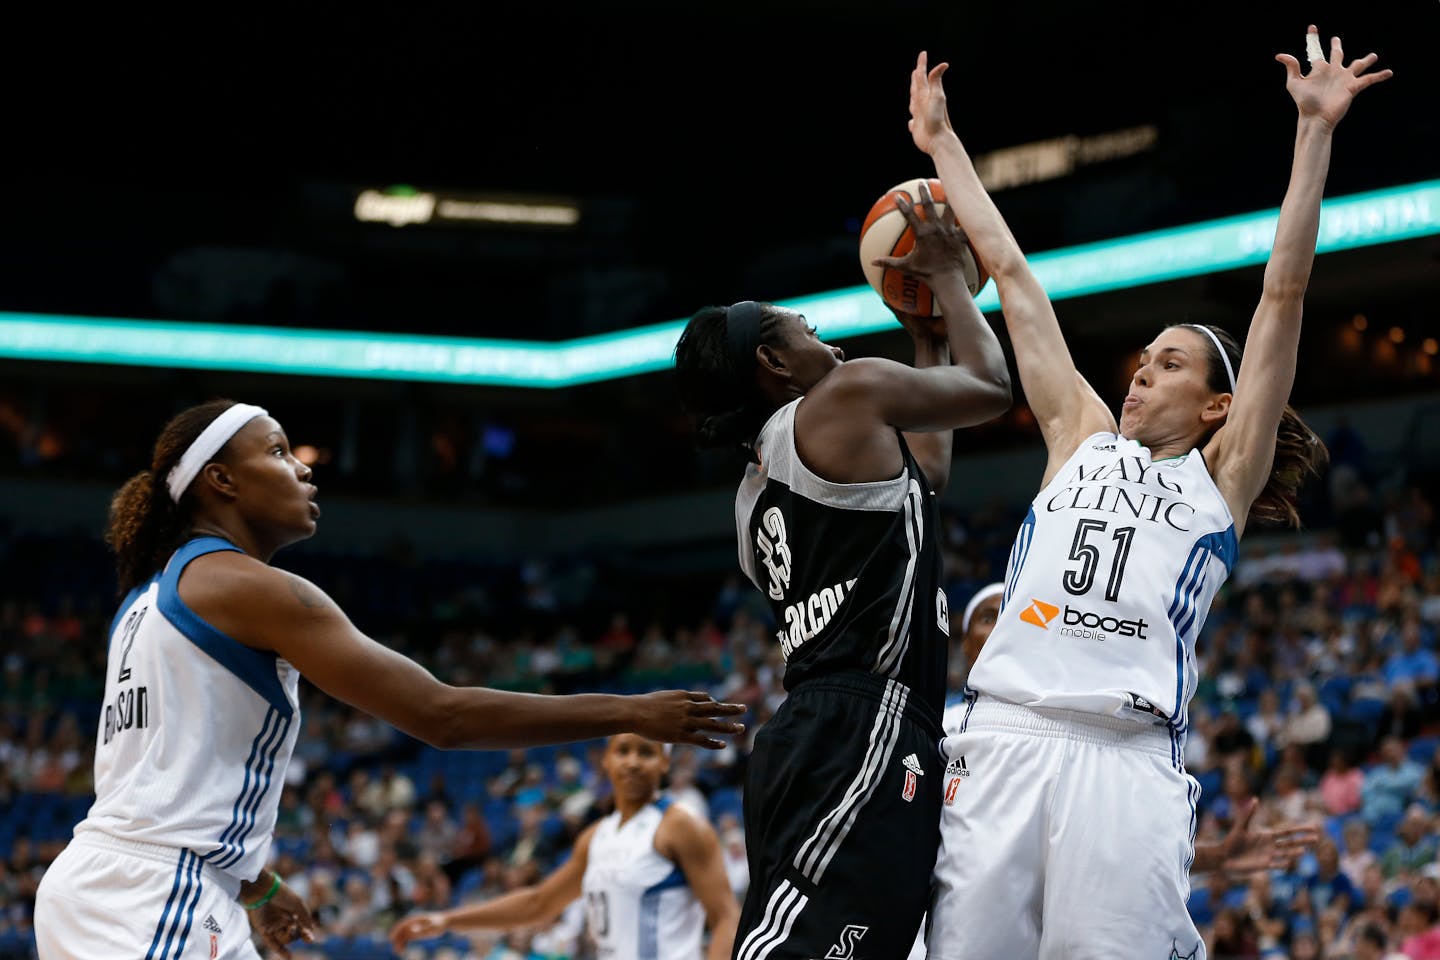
886, 233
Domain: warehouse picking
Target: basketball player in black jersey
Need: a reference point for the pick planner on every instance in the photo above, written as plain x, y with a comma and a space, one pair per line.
836, 524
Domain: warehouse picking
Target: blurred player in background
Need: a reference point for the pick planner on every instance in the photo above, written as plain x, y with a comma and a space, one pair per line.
835, 519
1074, 830
201, 709
652, 874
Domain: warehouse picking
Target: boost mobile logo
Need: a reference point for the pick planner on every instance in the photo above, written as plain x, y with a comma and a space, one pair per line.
1039, 613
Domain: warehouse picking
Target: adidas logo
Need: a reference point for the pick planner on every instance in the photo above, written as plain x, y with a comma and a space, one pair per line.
957, 768
1039, 613
210, 924
912, 763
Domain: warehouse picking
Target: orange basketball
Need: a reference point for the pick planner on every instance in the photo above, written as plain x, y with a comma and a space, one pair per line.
886, 233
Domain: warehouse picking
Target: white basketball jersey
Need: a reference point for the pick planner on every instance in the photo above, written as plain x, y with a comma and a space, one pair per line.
638, 903
1107, 587
195, 732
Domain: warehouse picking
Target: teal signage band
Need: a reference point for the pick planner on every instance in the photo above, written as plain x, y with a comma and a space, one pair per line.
1359, 220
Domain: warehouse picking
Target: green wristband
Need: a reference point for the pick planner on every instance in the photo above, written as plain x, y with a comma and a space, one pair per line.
274, 888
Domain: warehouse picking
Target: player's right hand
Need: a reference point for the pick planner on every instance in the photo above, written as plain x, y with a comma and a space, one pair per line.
420, 926
685, 716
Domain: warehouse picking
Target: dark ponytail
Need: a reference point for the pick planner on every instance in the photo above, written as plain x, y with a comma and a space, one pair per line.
1299, 452
724, 402
145, 525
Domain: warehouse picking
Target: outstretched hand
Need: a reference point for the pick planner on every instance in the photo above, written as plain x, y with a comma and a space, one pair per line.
929, 114
418, 926
685, 716
1327, 91
939, 242
1250, 851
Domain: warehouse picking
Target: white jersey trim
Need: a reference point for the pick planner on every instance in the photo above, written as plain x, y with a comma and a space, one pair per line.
780, 461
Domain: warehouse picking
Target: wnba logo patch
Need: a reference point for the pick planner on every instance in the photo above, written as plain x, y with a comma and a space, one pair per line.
1039, 613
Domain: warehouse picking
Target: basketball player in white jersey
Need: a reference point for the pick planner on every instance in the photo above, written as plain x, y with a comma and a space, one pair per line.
201, 711
1075, 825
1241, 851
652, 875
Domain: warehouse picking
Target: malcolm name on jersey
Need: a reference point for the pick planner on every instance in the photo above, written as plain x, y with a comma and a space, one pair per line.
805, 620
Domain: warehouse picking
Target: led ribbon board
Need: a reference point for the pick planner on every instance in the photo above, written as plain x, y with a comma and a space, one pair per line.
1359, 220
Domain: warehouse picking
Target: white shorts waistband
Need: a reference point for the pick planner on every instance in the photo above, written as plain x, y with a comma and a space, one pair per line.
988, 713
158, 852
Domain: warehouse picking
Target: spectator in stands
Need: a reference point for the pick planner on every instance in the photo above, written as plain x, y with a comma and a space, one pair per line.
1390, 784
1414, 845
1412, 663
1329, 887
1307, 726
1401, 718
1341, 784
1233, 935
1229, 740
471, 846
682, 788
437, 834
1371, 943
1417, 927
1267, 723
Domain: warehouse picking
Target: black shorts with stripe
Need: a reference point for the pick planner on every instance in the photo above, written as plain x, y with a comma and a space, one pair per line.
842, 822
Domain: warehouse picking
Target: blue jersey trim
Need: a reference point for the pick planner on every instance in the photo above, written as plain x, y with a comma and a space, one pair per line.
262, 754
161, 925
190, 910
282, 729
650, 913
254, 668
676, 878
1018, 552
1185, 613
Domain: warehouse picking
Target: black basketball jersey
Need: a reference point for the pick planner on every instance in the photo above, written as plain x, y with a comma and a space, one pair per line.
852, 570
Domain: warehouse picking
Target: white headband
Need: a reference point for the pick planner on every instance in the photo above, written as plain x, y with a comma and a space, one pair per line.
211, 439
1219, 348
980, 597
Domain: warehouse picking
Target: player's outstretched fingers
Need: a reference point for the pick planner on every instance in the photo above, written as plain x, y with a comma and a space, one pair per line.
1337, 53
1313, 51
708, 705
1364, 63
1370, 79
1292, 66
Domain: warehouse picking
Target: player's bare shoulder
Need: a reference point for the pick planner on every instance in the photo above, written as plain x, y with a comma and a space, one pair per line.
249, 600
680, 829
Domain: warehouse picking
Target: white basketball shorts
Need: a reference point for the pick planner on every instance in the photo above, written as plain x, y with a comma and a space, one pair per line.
106, 897
1063, 835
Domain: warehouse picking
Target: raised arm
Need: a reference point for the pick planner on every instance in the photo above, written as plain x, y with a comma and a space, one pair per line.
1242, 452
960, 336
525, 907
1065, 406
269, 609
960, 379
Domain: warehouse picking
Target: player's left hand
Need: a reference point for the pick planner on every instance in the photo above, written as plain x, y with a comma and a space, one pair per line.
1250, 851
284, 920
939, 241
1327, 91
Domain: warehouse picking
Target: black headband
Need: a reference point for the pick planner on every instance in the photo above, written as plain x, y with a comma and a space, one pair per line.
742, 335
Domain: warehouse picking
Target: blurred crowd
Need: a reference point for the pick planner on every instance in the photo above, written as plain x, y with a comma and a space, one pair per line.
1320, 694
